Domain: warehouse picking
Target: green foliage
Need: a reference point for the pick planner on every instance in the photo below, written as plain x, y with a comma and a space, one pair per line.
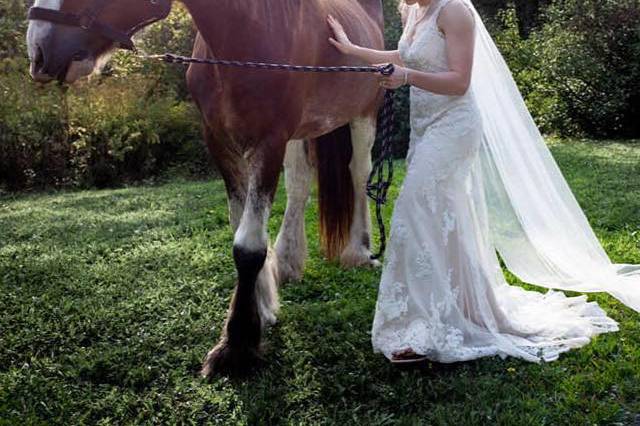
33, 143
101, 133
110, 298
526, 58
591, 59
13, 27
122, 128
578, 72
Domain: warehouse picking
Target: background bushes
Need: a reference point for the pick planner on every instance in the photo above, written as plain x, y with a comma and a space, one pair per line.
580, 70
576, 61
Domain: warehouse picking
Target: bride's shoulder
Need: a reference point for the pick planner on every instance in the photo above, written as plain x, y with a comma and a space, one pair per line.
456, 14
457, 7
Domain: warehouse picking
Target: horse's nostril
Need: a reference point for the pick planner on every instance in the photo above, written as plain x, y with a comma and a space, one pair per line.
80, 55
38, 60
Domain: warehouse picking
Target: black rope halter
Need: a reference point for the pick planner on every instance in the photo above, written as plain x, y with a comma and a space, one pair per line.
89, 20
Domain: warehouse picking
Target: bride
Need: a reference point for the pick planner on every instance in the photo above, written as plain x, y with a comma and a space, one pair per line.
480, 180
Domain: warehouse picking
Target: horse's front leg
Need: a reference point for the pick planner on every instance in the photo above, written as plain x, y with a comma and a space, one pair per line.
291, 245
232, 165
255, 302
358, 251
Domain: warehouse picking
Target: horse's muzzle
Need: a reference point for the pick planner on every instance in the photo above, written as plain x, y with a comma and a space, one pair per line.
53, 60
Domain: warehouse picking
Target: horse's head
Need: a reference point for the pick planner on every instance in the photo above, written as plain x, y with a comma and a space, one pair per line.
69, 39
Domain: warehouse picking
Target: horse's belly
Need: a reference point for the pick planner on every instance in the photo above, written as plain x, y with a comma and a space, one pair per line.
330, 107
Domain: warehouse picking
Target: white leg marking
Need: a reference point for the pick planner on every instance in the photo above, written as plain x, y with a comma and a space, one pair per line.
236, 210
252, 232
363, 135
291, 244
252, 235
267, 289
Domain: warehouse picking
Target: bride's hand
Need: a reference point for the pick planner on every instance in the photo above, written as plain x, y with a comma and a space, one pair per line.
398, 79
340, 40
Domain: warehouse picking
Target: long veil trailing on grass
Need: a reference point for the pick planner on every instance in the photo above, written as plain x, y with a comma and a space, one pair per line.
536, 223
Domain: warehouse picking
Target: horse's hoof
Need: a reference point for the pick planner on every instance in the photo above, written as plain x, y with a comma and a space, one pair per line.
290, 266
289, 274
225, 360
358, 257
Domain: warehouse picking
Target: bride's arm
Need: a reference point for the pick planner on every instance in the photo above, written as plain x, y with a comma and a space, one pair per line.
457, 23
343, 44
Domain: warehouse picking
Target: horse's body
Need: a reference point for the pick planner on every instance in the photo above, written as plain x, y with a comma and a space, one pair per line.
256, 120
284, 31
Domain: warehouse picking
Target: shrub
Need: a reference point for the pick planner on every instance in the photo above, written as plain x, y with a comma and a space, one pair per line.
526, 58
122, 130
591, 51
33, 142
101, 133
578, 71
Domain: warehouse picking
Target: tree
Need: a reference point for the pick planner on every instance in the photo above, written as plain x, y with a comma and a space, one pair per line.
528, 12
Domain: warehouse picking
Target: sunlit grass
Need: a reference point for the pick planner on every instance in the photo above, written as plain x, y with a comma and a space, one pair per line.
109, 300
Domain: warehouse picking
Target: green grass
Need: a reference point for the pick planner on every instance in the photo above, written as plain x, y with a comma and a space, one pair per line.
109, 300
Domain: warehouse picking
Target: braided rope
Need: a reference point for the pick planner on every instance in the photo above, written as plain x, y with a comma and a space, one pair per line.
177, 59
377, 184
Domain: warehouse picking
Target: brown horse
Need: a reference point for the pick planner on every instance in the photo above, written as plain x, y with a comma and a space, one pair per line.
254, 121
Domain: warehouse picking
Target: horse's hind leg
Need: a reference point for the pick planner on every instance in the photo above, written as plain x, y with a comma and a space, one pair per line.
255, 302
358, 251
291, 245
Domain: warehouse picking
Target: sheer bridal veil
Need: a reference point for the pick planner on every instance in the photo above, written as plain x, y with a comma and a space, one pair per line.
536, 223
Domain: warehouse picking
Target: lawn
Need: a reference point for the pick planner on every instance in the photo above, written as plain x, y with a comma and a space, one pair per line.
109, 300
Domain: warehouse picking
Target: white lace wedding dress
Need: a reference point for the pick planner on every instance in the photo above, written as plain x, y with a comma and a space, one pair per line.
442, 292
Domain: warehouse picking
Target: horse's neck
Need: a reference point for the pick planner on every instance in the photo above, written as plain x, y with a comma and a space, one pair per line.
207, 15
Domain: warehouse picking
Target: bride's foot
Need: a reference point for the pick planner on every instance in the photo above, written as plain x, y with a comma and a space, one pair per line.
407, 356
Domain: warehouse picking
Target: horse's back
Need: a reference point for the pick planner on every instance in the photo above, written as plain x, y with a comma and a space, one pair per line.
374, 9
364, 17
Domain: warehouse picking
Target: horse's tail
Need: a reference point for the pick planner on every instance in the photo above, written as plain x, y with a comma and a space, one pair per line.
335, 189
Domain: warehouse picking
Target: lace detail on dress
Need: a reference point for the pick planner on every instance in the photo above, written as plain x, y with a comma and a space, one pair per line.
429, 193
399, 231
393, 300
449, 224
424, 267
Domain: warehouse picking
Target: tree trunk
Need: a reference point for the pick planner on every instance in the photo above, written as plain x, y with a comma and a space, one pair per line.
528, 12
